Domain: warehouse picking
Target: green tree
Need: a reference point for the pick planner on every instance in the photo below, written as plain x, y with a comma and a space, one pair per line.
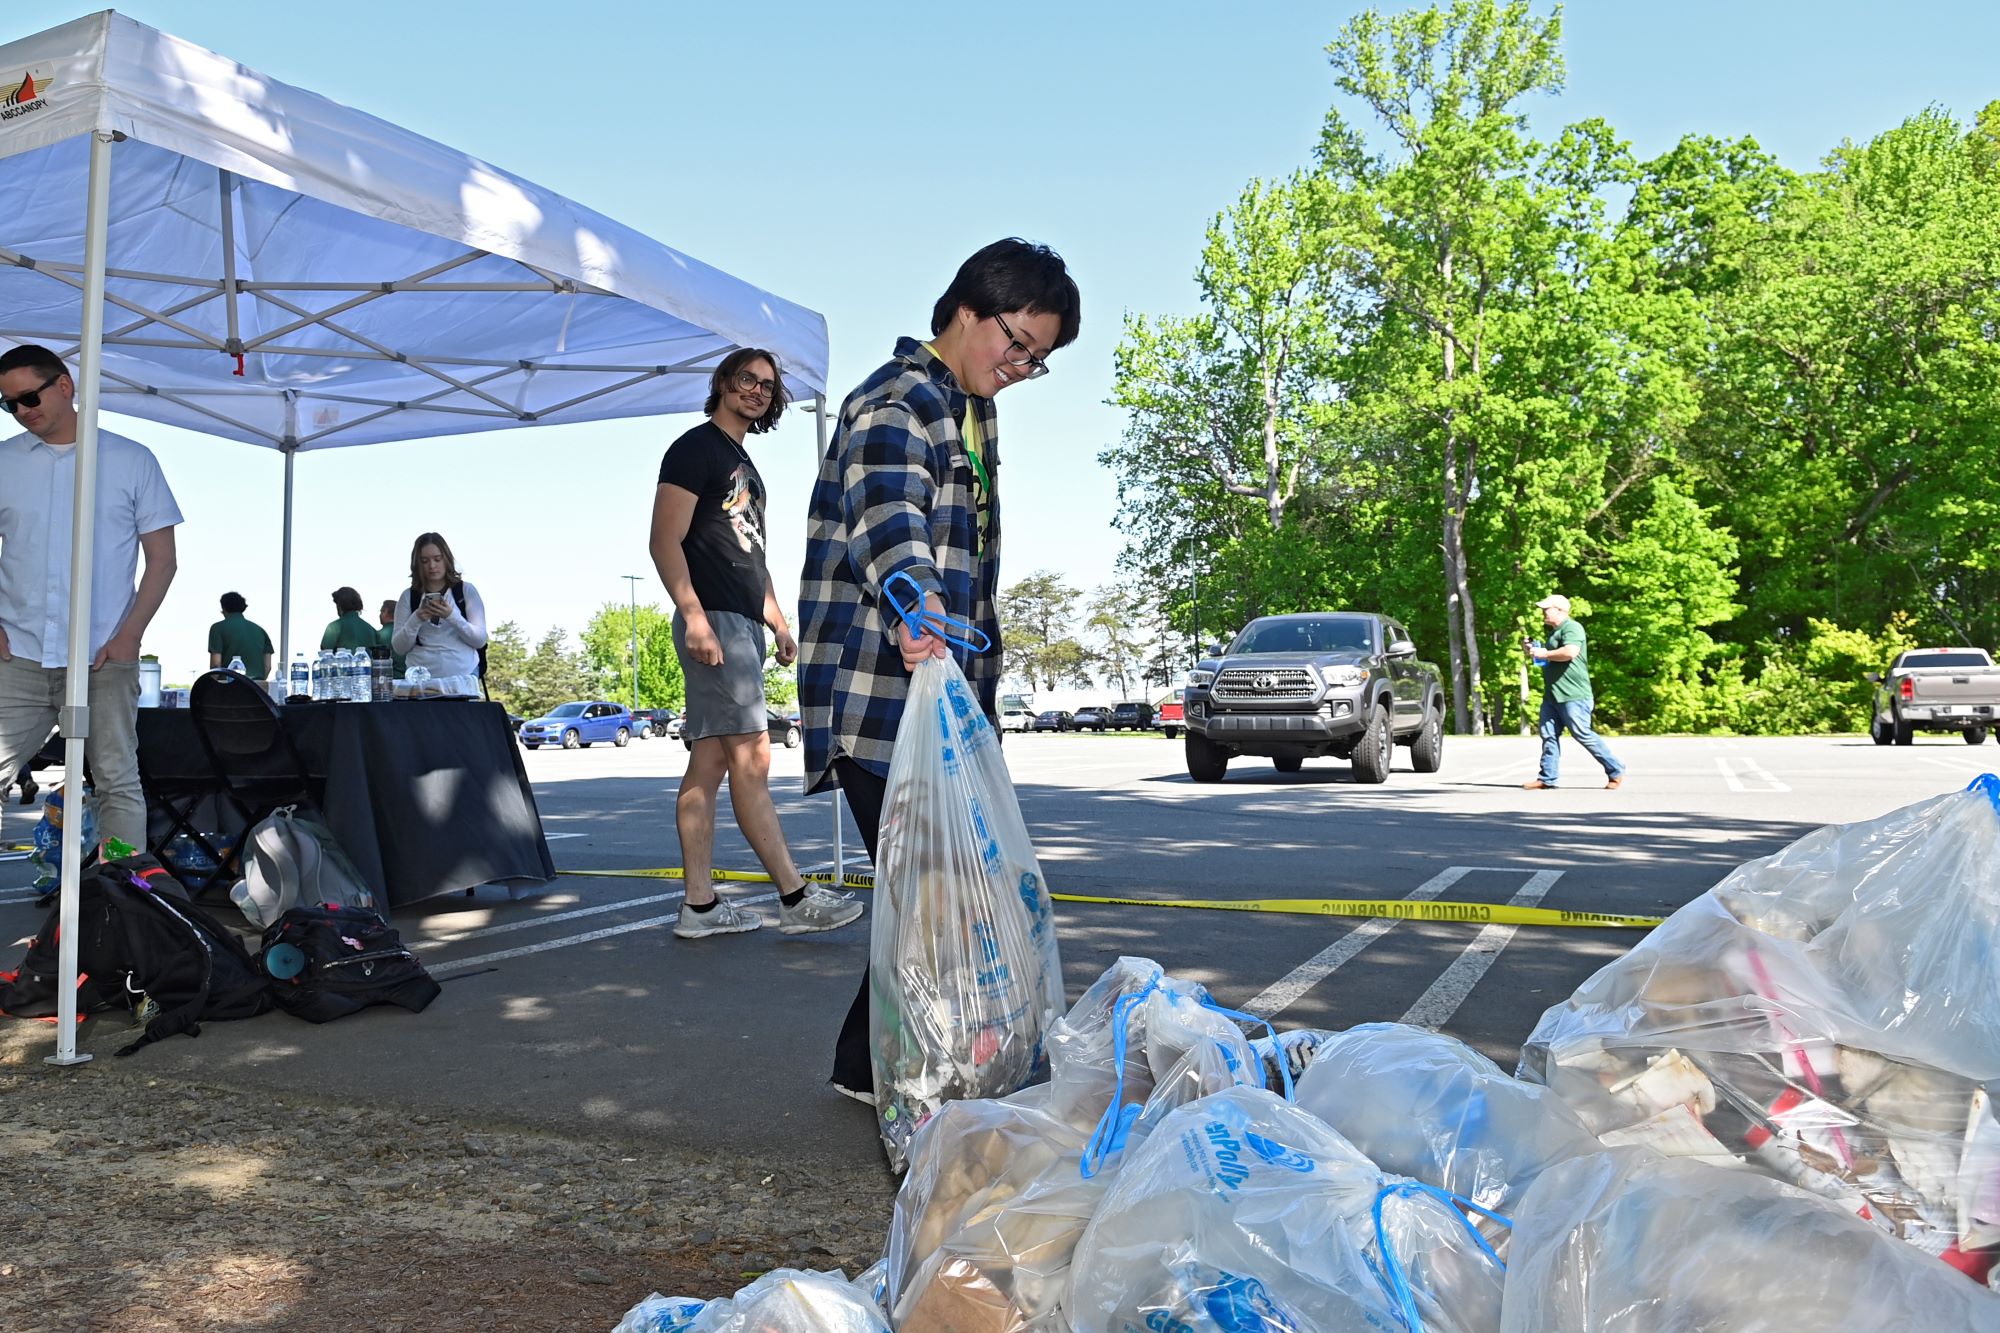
1116, 621
507, 665
607, 647
552, 675
1036, 642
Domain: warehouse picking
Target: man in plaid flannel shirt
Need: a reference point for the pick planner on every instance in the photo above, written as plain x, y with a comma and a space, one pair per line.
909, 485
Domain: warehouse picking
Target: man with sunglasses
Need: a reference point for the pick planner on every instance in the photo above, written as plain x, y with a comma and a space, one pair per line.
708, 545
910, 485
136, 514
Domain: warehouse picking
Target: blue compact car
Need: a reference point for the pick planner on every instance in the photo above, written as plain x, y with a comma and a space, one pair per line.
579, 724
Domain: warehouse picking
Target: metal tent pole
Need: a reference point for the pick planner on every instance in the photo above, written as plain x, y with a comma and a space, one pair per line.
75, 714
291, 450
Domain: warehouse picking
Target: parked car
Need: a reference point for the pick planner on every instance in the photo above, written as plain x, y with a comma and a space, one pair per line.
582, 723
1016, 719
648, 722
1132, 716
1055, 719
1092, 717
514, 721
1936, 689
785, 729
1347, 684
1167, 714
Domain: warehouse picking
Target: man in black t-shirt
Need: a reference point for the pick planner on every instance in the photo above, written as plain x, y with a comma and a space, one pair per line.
708, 545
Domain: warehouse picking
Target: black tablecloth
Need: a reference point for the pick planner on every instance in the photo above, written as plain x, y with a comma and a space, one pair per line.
426, 796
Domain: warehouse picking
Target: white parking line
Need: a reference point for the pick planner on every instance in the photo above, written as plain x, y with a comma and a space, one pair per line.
625, 928
1737, 768
1435, 1006
529, 923
1285, 992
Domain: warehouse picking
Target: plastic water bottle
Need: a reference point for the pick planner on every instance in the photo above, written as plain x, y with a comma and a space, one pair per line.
236, 665
301, 675
362, 688
322, 680
343, 671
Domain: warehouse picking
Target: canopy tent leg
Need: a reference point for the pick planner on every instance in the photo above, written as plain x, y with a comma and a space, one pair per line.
75, 715
839, 831
281, 668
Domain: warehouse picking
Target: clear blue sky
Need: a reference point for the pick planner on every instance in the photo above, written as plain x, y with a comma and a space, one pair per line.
848, 157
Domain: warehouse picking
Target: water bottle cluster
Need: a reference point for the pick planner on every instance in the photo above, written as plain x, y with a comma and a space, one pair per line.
342, 676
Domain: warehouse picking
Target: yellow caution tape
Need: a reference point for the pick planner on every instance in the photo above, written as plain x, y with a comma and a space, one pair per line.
1480, 914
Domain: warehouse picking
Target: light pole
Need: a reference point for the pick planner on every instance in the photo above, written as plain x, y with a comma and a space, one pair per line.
632, 584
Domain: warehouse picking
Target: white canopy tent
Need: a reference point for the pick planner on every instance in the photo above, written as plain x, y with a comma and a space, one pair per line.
213, 249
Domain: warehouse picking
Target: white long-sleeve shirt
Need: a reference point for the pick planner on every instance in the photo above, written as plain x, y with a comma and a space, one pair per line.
451, 646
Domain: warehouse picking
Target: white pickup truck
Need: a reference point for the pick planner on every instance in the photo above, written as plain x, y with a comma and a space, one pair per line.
1936, 689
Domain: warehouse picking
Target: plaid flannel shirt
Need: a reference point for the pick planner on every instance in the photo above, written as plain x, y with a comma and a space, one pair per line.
894, 496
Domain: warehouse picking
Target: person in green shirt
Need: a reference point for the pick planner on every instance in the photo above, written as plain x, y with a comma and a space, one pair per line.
1566, 697
233, 636
387, 615
350, 630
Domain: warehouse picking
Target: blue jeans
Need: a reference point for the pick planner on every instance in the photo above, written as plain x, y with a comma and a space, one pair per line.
1576, 718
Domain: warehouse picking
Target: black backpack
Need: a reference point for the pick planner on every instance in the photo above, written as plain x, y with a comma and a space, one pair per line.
352, 959
141, 945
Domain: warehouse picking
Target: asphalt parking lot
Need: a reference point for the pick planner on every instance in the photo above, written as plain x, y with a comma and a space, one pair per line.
576, 1006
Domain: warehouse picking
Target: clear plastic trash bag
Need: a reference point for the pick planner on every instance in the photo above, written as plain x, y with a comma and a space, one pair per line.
784, 1300
1241, 1213
999, 1191
965, 978
1425, 1105
1626, 1241
1828, 1014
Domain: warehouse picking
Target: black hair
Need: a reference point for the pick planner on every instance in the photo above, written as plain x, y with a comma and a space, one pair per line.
1013, 275
725, 372
32, 356
346, 600
233, 604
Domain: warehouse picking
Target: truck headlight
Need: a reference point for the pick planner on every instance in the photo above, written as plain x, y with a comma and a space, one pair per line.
1344, 677
1199, 680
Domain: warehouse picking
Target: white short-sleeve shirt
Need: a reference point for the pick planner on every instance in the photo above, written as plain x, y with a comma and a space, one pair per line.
37, 504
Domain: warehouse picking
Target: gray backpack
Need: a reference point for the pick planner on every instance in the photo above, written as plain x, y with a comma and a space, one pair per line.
292, 861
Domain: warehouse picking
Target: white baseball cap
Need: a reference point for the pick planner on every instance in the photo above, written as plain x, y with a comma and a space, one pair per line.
1555, 600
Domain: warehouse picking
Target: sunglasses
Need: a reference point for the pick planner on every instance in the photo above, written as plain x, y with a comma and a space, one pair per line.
32, 398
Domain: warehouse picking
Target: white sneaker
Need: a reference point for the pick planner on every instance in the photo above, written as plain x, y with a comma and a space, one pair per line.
819, 910
726, 919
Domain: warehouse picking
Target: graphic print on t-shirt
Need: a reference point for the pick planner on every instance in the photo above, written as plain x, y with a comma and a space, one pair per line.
743, 506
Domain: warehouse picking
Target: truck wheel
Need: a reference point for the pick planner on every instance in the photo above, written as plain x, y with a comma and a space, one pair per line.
1427, 750
1288, 763
1171, 732
1206, 761
1372, 751
1904, 733
1878, 731
1975, 735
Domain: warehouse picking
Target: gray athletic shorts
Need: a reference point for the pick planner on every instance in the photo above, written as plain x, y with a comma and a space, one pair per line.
727, 700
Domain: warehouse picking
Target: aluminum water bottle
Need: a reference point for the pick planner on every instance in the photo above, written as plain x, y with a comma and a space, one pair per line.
236, 665
301, 675
362, 688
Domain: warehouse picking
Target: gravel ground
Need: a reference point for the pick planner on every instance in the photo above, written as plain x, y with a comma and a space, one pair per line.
143, 1203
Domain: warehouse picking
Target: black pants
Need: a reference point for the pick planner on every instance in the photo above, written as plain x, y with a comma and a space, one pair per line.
864, 791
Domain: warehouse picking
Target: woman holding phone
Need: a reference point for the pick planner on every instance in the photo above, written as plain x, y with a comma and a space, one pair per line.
440, 620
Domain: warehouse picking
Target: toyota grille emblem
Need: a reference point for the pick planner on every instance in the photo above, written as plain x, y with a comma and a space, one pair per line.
1265, 684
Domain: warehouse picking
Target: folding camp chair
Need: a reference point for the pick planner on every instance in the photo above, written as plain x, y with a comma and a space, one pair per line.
178, 786
247, 744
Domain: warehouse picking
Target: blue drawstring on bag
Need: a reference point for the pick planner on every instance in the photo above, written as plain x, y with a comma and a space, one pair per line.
1393, 1277
919, 619
1284, 1065
1115, 1125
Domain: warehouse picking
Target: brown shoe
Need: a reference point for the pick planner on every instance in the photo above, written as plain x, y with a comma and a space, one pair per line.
1614, 784
1538, 785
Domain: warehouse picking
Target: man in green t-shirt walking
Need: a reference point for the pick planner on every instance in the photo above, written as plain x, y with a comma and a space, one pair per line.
1566, 698
233, 636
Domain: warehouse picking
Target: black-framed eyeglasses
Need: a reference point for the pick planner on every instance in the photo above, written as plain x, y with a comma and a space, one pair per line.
32, 398
1017, 353
749, 383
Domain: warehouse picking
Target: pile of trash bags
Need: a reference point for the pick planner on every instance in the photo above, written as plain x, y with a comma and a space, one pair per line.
1771, 1114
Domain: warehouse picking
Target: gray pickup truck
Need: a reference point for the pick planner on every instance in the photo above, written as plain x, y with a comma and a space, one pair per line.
1936, 689
1290, 688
